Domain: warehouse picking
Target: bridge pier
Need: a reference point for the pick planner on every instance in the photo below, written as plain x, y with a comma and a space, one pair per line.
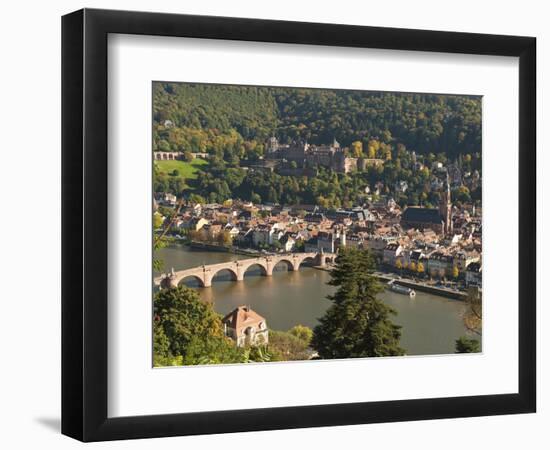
321, 260
206, 277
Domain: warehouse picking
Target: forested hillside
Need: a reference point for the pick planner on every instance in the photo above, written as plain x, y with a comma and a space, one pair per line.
206, 116
233, 123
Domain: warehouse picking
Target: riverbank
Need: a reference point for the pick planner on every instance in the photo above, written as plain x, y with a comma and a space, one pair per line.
423, 287
413, 284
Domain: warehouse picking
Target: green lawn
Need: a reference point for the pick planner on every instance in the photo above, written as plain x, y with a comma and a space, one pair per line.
187, 170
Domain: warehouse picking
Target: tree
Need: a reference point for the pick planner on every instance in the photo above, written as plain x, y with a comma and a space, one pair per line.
196, 199
302, 332
161, 345
357, 149
158, 220
163, 146
456, 272
472, 317
255, 198
357, 324
463, 194
466, 345
212, 350
183, 316
372, 152
224, 239
285, 346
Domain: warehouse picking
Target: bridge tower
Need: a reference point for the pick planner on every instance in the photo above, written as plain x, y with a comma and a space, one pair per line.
169, 280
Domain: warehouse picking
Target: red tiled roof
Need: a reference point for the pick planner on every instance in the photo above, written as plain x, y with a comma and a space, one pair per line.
242, 317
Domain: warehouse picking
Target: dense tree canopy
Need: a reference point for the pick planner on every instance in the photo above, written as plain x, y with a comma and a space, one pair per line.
203, 116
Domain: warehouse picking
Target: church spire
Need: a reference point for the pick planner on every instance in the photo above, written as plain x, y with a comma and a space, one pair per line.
445, 207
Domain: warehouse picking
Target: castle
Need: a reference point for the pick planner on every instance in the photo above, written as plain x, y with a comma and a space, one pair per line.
331, 156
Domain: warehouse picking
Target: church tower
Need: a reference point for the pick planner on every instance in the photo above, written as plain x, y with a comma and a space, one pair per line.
446, 208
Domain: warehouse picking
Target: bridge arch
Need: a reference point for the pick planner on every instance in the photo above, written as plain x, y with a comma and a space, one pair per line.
234, 275
286, 261
307, 260
254, 265
197, 278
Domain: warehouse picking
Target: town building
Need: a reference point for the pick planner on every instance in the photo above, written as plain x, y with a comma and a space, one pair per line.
246, 327
288, 242
440, 264
391, 252
473, 274
194, 223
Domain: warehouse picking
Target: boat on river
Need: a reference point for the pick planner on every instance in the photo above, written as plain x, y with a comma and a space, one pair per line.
400, 289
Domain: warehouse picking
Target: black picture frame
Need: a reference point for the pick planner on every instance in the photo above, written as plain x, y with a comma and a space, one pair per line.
84, 224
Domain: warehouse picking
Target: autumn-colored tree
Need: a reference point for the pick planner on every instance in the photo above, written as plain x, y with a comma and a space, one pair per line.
372, 152
158, 220
357, 149
224, 239
472, 317
375, 145
456, 272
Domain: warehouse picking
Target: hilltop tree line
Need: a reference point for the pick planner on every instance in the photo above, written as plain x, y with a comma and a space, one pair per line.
211, 118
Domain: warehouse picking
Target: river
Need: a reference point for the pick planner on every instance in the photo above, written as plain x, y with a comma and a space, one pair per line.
431, 324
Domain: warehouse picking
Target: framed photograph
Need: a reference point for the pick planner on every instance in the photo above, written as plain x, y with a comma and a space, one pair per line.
273, 225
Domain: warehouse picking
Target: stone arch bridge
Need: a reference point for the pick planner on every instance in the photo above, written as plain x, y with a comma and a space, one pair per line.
205, 273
